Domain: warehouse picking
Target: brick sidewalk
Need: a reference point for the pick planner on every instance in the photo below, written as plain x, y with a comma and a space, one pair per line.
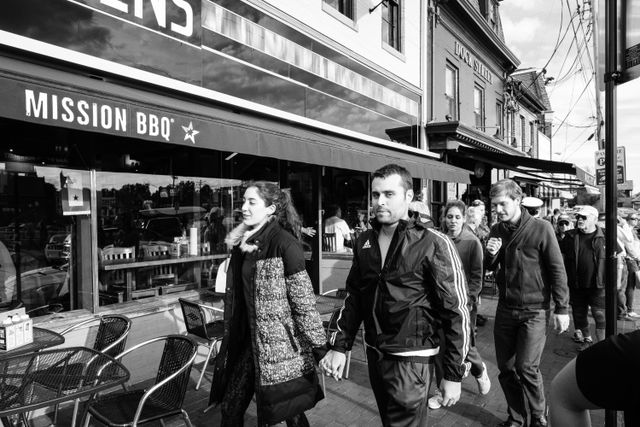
351, 403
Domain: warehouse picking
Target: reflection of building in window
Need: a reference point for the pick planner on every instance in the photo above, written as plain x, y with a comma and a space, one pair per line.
451, 92
499, 119
391, 24
345, 7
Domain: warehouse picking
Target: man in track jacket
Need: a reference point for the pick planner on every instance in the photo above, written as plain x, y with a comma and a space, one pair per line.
405, 283
530, 271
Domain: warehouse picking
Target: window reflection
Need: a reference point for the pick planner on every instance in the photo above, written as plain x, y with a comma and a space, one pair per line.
161, 233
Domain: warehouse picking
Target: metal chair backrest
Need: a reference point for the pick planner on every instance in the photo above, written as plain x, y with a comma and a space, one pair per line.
329, 242
155, 251
178, 351
112, 334
195, 319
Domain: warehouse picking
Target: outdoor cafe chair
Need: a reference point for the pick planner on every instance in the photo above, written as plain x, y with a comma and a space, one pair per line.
197, 321
110, 339
162, 400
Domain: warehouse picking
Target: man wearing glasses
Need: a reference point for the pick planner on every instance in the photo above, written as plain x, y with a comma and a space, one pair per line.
562, 226
629, 237
584, 259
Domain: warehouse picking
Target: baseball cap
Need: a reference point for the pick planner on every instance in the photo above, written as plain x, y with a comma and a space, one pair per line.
564, 218
586, 211
531, 202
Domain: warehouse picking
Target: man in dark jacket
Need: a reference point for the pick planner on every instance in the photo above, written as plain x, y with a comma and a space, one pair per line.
530, 270
405, 283
584, 260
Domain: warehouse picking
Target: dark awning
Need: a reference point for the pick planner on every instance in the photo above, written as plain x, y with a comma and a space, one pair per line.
32, 90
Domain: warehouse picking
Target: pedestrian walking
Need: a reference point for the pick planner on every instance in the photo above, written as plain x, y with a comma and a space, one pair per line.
406, 282
584, 260
563, 225
470, 250
271, 325
530, 272
629, 238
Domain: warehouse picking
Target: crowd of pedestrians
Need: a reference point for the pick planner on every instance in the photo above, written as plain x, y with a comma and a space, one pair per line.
416, 289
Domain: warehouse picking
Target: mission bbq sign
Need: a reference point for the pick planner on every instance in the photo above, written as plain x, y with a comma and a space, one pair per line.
69, 109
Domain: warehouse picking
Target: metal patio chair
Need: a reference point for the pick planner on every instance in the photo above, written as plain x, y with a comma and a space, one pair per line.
162, 400
201, 323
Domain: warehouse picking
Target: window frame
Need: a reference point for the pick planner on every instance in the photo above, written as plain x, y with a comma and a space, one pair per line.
452, 101
392, 24
499, 119
345, 9
479, 115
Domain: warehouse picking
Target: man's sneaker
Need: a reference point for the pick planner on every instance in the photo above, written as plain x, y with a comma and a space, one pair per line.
435, 401
484, 383
578, 337
633, 314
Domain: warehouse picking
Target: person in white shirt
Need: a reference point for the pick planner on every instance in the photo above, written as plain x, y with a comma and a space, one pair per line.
335, 224
629, 238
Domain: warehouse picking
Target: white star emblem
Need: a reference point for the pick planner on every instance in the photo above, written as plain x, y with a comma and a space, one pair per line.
190, 132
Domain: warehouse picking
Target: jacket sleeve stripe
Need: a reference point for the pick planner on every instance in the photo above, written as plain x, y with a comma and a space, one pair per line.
460, 290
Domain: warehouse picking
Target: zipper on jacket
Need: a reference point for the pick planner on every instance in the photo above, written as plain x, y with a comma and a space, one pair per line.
291, 338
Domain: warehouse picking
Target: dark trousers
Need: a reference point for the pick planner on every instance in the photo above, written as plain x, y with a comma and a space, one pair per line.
520, 336
400, 388
580, 300
240, 390
632, 279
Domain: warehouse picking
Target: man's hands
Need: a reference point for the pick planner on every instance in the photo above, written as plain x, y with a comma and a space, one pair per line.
493, 245
561, 322
450, 392
332, 364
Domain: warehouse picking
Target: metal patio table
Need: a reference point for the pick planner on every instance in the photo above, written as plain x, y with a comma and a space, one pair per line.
41, 379
42, 338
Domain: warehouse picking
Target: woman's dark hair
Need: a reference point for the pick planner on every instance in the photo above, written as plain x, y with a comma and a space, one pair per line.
452, 204
285, 212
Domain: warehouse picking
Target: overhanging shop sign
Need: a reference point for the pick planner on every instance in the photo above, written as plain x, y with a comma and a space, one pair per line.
51, 106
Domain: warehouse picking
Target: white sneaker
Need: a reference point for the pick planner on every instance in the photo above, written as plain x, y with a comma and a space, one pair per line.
484, 383
633, 314
435, 401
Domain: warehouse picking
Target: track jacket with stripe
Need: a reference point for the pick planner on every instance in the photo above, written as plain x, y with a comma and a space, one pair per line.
420, 288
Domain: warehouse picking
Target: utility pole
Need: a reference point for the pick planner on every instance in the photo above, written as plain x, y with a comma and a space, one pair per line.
611, 78
596, 75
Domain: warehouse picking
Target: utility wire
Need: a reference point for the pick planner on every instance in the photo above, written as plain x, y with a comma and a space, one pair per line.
573, 106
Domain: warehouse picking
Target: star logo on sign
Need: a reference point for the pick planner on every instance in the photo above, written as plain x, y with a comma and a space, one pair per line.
190, 132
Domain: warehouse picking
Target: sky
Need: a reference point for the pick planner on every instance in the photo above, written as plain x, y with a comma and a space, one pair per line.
531, 30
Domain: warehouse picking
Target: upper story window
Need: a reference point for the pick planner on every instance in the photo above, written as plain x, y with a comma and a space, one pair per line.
499, 120
478, 107
451, 92
492, 14
391, 24
523, 133
345, 7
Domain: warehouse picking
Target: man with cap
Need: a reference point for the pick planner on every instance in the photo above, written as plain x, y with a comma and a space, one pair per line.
532, 205
584, 260
629, 238
563, 225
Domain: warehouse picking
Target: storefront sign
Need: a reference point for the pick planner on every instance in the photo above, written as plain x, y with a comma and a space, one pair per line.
478, 67
79, 111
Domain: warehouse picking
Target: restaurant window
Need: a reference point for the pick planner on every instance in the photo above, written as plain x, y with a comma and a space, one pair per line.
451, 92
345, 7
499, 120
44, 209
438, 199
345, 209
391, 24
478, 107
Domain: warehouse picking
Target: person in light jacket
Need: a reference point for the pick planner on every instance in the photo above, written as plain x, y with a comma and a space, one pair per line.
273, 334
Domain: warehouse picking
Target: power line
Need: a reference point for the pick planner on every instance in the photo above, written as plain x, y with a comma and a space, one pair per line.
573, 106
